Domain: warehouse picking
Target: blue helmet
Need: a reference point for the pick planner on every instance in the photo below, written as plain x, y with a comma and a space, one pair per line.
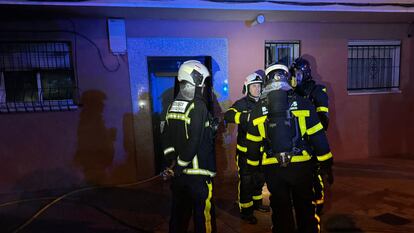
301, 65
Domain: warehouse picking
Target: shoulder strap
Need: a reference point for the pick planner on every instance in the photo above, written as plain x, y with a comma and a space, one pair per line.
294, 120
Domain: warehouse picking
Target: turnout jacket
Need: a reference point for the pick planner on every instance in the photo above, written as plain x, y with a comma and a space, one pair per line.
188, 138
317, 94
312, 136
238, 114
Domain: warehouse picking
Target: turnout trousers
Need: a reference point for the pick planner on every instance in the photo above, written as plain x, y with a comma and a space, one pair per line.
192, 195
251, 181
291, 189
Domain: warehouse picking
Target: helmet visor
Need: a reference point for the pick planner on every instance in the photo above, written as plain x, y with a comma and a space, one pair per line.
279, 76
299, 76
255, 79
198, 78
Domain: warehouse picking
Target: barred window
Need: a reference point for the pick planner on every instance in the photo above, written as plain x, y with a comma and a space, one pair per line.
36, 76
373, 66
284, 52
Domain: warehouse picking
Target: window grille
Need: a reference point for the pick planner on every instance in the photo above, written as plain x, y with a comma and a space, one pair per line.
284, 52
37, 76
373, 66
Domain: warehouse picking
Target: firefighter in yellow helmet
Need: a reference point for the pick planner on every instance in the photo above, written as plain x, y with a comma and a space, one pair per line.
281, 130
251, 178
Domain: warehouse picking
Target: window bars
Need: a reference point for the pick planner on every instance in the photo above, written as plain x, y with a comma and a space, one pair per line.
373, 65
284, 52
37, 76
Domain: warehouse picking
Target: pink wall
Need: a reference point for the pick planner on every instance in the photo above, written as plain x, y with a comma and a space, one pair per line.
362, 125
93, 144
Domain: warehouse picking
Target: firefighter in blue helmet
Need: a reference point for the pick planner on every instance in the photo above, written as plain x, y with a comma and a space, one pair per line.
281, 130
317, 94
307, 87
188, 143
251, 178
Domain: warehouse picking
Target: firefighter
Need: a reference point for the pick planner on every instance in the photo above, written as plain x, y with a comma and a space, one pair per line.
189, 148
307, 87
316, 93
251, 178
281, 130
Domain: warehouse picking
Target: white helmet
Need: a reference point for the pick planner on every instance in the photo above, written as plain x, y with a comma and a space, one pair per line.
193, 72
277, 72
251, 79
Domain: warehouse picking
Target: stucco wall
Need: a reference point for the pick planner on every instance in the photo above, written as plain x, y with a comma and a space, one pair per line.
93, 144
362, 125
96, 144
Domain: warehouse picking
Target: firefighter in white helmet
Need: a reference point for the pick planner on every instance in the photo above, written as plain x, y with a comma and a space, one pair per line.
189, 145
282, 129
251, 179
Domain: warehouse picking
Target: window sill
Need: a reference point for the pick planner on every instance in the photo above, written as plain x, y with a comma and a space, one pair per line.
375, 92
44, 106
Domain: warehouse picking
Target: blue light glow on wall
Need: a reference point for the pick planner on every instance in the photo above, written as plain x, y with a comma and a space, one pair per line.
141, 48
159, 87
226, 86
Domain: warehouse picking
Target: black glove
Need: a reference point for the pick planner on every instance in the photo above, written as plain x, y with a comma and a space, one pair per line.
170, 160
167, 173
178, 170
327, 174
323, 116
214, 124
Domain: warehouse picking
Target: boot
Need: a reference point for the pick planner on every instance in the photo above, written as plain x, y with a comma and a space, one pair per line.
250, 219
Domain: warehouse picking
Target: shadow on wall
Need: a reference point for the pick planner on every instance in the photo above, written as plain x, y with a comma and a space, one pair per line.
221, 149
95, 149
167, 98
143, 135
333, 132
127, 172
94, 155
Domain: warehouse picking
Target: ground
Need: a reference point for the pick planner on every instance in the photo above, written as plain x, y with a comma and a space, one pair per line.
371, 195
